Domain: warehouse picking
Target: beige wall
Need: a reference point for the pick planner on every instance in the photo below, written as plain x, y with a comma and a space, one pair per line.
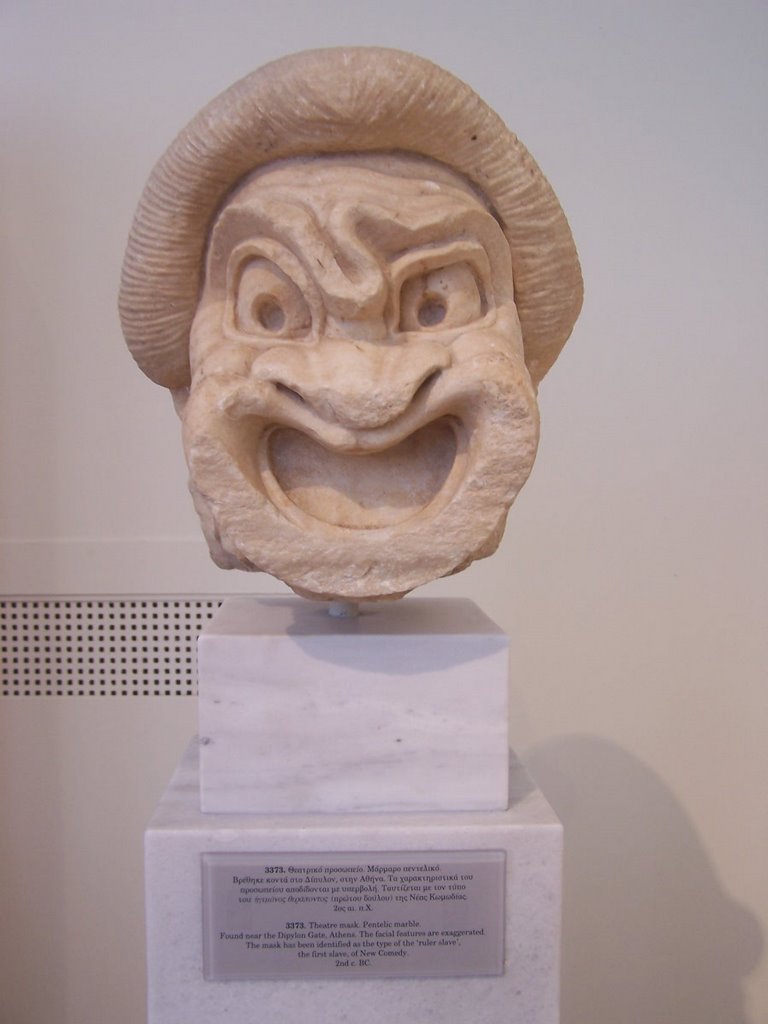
632, 577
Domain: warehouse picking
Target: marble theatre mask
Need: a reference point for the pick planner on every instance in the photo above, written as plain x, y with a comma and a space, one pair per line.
352, 277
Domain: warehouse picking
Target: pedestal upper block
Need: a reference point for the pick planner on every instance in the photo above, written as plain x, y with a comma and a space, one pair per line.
526, 992
401, 709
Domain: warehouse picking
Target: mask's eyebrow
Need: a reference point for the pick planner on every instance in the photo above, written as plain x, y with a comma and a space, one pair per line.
349, 277
364, 237
347, 243
392, 234
448, 228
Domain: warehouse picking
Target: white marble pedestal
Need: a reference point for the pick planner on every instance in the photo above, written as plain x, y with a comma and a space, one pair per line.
526, 992
403, 708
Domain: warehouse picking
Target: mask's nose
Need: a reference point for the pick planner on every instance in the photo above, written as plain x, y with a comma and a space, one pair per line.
357, 384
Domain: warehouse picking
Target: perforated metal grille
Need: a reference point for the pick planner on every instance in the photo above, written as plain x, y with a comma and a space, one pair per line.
101, 646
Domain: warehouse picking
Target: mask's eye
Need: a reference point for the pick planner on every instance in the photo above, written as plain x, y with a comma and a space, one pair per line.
268, 302
448, 297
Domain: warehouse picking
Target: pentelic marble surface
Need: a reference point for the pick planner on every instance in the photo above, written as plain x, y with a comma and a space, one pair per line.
403, 708
352, 277
528, 835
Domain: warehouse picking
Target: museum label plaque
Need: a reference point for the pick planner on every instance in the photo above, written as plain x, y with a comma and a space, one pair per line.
383, 915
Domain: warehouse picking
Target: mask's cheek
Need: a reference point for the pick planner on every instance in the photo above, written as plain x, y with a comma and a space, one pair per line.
223, 428
211, 353
491, 360
203, 506
222, 453
500, 416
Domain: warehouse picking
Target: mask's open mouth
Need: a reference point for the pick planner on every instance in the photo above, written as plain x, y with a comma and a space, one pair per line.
364, 490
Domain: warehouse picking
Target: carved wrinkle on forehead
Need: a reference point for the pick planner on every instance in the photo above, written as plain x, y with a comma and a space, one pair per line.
346, 224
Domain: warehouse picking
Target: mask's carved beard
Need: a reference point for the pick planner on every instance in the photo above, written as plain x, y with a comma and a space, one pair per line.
364, 491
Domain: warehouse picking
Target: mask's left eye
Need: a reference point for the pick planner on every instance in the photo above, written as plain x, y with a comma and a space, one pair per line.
443, 298
268, 302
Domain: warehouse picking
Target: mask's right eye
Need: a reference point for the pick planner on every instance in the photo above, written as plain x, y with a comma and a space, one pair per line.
443, 298
268, 303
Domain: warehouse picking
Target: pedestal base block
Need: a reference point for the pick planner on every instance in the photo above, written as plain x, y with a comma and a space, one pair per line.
524, 842
401, 709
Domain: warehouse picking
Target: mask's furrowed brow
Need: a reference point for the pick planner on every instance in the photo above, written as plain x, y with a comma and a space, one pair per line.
366, 234
347, 243
348, 276
409, 241
288, 222
430, 221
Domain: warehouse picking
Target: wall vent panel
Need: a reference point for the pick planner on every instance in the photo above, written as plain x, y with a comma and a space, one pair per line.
88, 646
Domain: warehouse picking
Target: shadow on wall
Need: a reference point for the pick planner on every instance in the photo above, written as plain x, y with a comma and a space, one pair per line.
649, 934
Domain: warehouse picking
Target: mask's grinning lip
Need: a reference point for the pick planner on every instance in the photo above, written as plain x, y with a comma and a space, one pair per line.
434, 399
318, 487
